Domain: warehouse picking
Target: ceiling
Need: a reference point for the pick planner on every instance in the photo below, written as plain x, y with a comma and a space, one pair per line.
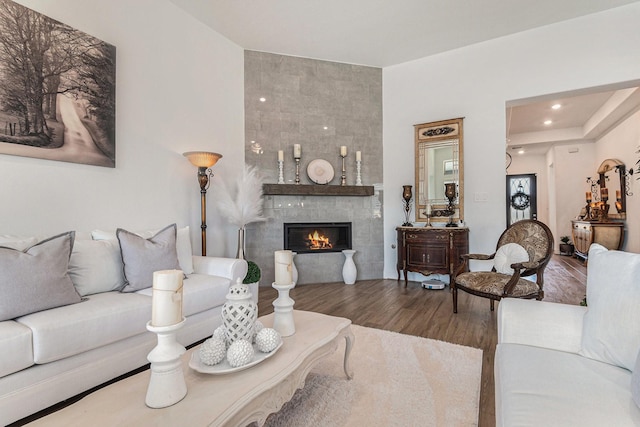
383, 33
582, 117
378, 33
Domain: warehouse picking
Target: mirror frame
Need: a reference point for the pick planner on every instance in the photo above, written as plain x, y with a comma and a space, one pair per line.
620, 203
436, 133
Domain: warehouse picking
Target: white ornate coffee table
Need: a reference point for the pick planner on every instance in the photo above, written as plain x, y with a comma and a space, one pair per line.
235, 399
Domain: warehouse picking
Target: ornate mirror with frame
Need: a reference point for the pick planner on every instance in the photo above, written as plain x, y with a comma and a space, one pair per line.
439, 171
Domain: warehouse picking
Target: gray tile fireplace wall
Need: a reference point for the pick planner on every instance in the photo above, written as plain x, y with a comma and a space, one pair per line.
321, 106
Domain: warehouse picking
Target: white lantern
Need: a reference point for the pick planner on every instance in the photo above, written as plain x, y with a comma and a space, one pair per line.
239, 313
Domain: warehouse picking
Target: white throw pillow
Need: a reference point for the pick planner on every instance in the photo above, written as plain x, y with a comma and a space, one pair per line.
183, 244
509, 254
611, 329
96, 266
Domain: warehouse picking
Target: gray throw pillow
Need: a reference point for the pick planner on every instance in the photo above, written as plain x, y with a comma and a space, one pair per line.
37, 278
141, 257
635, 382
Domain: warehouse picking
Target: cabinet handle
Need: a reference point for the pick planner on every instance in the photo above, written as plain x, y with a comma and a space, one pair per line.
412, 236
423, 258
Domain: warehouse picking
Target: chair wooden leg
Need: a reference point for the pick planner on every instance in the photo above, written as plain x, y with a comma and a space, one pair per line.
454, 293
491, 302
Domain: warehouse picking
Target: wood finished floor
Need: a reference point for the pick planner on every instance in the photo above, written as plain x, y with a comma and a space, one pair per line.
387, 304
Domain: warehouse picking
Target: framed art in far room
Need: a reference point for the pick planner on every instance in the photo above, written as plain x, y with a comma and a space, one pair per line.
61, 104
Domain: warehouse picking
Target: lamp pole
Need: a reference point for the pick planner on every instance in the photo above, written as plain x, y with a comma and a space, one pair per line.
203, 160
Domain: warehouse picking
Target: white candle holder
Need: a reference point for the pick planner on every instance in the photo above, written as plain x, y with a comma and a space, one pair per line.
358, 170
297, 159
283, 310
280, 171
166, 385
343, 178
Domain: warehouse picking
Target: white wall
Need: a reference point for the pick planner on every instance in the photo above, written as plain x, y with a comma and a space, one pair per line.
475, 82
179, 88
623, 143
571, 171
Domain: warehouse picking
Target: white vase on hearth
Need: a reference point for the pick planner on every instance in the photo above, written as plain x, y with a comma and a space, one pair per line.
349, 271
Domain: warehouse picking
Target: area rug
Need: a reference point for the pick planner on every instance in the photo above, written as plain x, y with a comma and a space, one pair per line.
399, 380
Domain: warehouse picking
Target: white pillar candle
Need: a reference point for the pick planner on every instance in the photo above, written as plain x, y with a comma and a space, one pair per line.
284, 271
166, 300
280, 155
343, 151
296, 151
358, 156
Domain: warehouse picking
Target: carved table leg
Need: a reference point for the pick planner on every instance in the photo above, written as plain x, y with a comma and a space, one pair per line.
349, 341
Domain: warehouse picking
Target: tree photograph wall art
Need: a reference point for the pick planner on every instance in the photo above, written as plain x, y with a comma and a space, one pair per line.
57, 90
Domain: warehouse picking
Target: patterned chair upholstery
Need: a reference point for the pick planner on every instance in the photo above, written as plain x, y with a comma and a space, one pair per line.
536, 238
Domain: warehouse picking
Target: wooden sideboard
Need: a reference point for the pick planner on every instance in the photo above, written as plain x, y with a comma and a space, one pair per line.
608, 234
430, 250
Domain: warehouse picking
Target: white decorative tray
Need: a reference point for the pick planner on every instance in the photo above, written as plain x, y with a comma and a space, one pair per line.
223, 367
320, 171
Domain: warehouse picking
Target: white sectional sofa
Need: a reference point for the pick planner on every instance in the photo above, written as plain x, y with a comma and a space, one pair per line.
564, 365
51, 355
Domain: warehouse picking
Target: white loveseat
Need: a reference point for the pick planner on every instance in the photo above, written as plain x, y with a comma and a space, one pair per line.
51, 355
564, 365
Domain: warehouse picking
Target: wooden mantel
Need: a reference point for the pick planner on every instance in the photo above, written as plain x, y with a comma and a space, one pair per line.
316, 190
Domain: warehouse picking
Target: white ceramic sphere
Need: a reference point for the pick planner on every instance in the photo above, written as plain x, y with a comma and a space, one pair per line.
213, 351
240, 353
220, 334
257, 327
267, 340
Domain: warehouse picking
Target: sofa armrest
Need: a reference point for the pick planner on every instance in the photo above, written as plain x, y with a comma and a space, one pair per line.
541, 324
230, 268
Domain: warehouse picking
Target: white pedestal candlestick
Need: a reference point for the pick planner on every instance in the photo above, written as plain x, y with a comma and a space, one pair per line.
283, 310
358, 170
280, 171
166, 300
166, 385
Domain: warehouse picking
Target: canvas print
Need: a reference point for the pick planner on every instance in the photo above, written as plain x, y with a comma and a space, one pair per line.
57, 90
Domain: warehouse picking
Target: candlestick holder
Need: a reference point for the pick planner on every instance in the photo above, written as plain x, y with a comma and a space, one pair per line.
358, 169
283, 310
280, 171
166, 385
297, 159
343, 179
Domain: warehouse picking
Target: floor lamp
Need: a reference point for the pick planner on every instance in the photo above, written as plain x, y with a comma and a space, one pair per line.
203, 160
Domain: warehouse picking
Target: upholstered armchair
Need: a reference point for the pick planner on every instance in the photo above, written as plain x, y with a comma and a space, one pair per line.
523, 250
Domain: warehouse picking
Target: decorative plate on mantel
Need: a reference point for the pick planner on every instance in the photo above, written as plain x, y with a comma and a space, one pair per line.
320, 171
223, 367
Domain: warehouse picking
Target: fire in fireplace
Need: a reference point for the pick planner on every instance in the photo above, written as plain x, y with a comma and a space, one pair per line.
317, 237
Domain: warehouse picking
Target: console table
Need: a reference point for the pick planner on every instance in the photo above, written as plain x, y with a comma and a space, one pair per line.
429, 250
609, 234
235, 399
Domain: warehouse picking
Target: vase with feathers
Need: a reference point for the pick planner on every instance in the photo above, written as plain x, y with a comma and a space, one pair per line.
240, 202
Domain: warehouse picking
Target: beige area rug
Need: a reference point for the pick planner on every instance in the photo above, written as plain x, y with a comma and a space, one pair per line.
399, 380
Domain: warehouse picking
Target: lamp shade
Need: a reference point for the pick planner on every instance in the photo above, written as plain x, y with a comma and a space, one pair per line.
202, 159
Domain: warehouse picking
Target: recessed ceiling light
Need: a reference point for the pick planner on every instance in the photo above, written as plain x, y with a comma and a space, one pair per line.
521, 152
325, 128
548, 122
556, 106
263, 99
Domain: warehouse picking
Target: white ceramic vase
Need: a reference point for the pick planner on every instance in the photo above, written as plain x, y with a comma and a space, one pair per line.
349, 271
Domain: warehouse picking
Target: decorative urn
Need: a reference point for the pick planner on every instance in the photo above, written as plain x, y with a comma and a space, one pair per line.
239, 313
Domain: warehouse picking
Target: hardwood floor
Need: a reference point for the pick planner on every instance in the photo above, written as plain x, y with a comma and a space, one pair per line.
387, 304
